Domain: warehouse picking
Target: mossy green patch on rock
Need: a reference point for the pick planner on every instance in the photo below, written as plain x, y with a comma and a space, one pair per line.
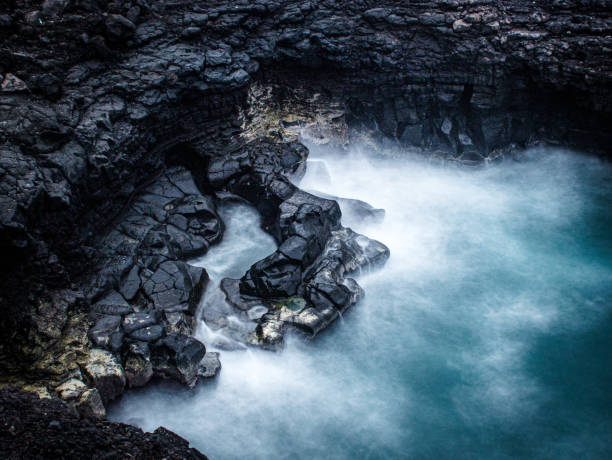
294, 304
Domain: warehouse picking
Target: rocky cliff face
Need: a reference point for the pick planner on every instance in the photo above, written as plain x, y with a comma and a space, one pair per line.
120, 123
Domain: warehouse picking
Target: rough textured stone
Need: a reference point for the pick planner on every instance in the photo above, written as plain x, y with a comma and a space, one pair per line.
106, 374
137, 364
90, 404
101, 333
177, 356
71, 389
210, 366
119, 121
35, 428
137, 321
314, 256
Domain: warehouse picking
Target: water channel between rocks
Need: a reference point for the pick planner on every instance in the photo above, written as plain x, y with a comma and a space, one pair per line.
486, 335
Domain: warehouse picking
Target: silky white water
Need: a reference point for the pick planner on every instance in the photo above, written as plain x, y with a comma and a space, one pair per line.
486, 335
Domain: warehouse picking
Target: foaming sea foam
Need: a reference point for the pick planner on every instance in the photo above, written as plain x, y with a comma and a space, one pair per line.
244, 242
486, 335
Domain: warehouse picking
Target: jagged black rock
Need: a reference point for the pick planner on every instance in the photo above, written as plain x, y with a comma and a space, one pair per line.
115, 117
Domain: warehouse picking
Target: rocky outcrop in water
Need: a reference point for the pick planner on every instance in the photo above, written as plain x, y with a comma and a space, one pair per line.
302, 284
144, 295
113, 114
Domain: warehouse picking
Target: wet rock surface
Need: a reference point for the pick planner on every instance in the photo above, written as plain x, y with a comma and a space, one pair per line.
148, 293
210, 366
358, 209
302, 284
46, 428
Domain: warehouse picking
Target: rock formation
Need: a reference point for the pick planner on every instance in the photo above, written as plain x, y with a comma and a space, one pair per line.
301, 284
122, 123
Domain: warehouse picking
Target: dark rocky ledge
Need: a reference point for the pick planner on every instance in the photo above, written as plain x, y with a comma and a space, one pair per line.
302, 283
47, 428
122, 122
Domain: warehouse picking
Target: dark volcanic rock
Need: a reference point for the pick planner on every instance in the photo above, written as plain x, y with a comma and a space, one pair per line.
148, 294
105, 373
148, 334
274, 276
111, 304
357, 209
46, 428
302, 283
101, 333
120, 120
177, 356
137, 321
137, 364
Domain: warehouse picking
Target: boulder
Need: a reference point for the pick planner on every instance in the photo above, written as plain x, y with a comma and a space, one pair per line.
105, 373
209, 366
275, 276
148, 334
89, 405
269, 333
174, 286
177, 356
135, 321
71, 389
137, 364
105, 332
130, 284
177, 322
111, 304
301, 250
357, 210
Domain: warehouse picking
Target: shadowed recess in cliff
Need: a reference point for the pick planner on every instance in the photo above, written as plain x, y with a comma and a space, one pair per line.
486, 335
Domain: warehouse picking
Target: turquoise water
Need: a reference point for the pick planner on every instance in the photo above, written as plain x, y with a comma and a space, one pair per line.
488, 333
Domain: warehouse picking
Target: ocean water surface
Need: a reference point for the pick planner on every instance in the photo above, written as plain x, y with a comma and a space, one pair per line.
488, 333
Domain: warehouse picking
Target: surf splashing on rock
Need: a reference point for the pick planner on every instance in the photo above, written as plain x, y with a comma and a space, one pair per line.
478, 338
244, 242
